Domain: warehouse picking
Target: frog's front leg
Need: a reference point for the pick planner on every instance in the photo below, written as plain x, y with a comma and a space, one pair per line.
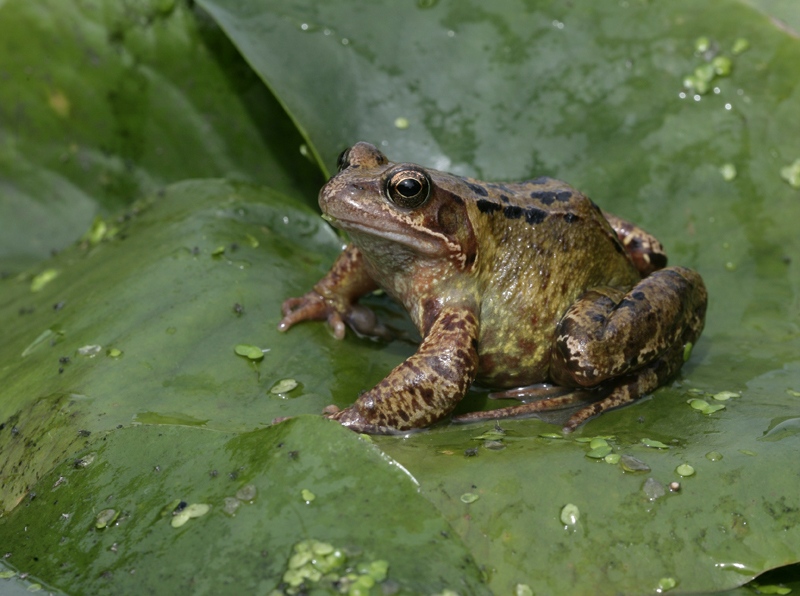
644, 249
428, 385
335, 298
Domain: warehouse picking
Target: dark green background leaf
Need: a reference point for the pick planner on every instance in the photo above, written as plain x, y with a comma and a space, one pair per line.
103, 102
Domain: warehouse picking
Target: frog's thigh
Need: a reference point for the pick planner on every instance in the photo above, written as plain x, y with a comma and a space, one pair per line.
608, 333
428, 385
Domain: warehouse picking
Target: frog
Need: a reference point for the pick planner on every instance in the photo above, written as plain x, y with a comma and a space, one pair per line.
527, 288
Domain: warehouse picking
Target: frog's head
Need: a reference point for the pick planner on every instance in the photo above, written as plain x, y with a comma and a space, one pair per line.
380, 203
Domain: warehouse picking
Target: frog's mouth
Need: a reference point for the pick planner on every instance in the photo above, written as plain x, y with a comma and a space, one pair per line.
423, 241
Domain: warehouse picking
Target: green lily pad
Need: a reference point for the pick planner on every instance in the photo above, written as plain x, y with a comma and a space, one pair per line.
408, 533
136, 95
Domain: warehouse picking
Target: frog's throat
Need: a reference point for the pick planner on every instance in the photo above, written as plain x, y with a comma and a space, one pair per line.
426, 242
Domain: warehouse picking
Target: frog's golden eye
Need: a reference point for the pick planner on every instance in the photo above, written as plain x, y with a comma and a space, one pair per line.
343, 161
408, 187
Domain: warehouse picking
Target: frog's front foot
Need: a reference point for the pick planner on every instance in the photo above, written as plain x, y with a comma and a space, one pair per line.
350, 418
314, 307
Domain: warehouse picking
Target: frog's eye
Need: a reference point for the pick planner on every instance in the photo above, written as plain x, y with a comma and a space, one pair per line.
342, 162
408, 187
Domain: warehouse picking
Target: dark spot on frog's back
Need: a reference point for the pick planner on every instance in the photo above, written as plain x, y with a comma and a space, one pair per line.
485, 206
548, 197
478, 189
534, 215
638, 295
512, 212
570, 217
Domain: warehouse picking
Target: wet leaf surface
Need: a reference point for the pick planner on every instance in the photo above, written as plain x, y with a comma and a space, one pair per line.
139, 470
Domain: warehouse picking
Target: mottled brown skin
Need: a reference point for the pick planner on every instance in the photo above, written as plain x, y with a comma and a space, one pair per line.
508, 284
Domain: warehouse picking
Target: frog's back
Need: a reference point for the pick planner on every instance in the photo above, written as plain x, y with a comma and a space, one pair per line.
541, 245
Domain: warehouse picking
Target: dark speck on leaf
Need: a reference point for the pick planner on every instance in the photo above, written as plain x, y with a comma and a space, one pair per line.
293, 455
60, 369
84, 433
180, 506
119, 426
196, 250
213, 473
59, 305
234, 246
471, 452
238, 308
233, 475
64, 359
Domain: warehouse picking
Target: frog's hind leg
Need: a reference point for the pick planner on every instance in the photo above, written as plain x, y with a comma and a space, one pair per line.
552, 398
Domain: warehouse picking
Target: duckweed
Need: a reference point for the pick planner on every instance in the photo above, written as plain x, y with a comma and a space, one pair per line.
42, 279
284, 386
740, 46
687, 351
612, 458
220, 250
728, 171
246, 493
665, 584
702, 44
570, 514
105, 518
713, 456
685, 470
770, 589
722, 66
600, 452
7, 574
523, 590
654, 444
249, 351
401, 123
632, 464
790, 173
653, 489
307, 495
469, 498
313, 561
724, 395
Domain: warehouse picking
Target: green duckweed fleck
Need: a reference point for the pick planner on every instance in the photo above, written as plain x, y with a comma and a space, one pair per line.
599, 452
790, 173
728, 171
665, 584
523, 590
44, 278
612, 458
713, 456
685, 470
249, 351
307, 495
284, 386
220, 250
702, 44
105, 518
740, 46
570, 514
469, 498
654, 444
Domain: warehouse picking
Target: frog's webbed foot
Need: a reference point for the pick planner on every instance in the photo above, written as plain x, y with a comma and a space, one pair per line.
314, 307
547, 399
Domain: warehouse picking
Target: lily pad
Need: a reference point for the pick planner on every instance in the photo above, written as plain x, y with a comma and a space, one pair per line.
409, 534
101, 104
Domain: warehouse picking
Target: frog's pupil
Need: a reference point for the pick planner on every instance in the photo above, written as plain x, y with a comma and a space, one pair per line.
409, 187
